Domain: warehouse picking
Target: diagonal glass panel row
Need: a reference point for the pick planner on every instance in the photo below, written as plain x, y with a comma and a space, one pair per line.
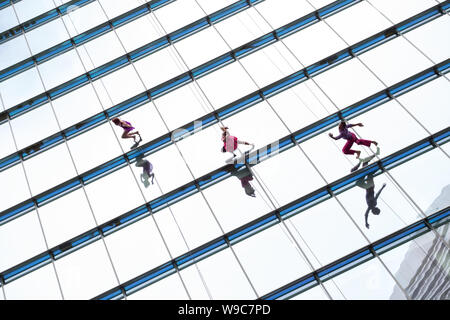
226, 171
40, 20
360, 256
114, 164
279, 215
183, 79
142, 98
116, 22
156, 45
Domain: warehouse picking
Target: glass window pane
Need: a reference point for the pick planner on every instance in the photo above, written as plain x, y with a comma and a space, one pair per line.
334, 224
178, 14
20, 239
278, 264
389, 63
136, 249
368, 281
41, 284
432, 46
358, 22
14, 187
232, 77
114, 195
419, 172
434, 94
66, 217
14, 92
279, 15
7, 145
285, 175
421, 268
86, 273
270, 64
344, 90
402, 9
47, 35
76, 106
49, 169
224, 277
209, 40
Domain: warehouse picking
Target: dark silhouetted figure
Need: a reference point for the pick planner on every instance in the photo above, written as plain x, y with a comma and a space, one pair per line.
371, 198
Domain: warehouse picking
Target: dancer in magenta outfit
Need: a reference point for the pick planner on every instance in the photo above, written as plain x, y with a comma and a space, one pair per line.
351, 138
230, 143
127, 128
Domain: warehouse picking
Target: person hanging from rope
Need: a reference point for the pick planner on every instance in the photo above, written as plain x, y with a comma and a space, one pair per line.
371, 198
351, 138
147, 170
230, 143
127, 128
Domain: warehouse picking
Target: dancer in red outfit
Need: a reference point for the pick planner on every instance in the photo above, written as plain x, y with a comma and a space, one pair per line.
351, 138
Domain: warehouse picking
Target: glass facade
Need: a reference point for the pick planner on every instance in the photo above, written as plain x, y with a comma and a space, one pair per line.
88, 213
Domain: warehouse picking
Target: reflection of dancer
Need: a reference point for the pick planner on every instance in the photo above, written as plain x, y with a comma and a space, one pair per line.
351, 138
245, 176
127, 128
365, 161
230, 143
371, 198
147, 170
245, 182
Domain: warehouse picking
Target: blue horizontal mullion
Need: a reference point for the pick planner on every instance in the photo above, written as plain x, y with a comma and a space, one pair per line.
346, 263
157, 4
69, 86
58, 191
217, 16
128, 105
8, 161
206, 67
149, 48
109, 67
255, 98
252, 227
400, 236
418, 21
130, 16
296, 26
110, 165
163, 201
148, 278
392, 159
4, 4
17, 210
335, 7
43, 19
438, 217
293, 288
26, 267
196, 254
81, 127
27, 64
303, 204
28, 106
285, 83
90, 34
170, 85
54, 51
412, 82
180, 34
